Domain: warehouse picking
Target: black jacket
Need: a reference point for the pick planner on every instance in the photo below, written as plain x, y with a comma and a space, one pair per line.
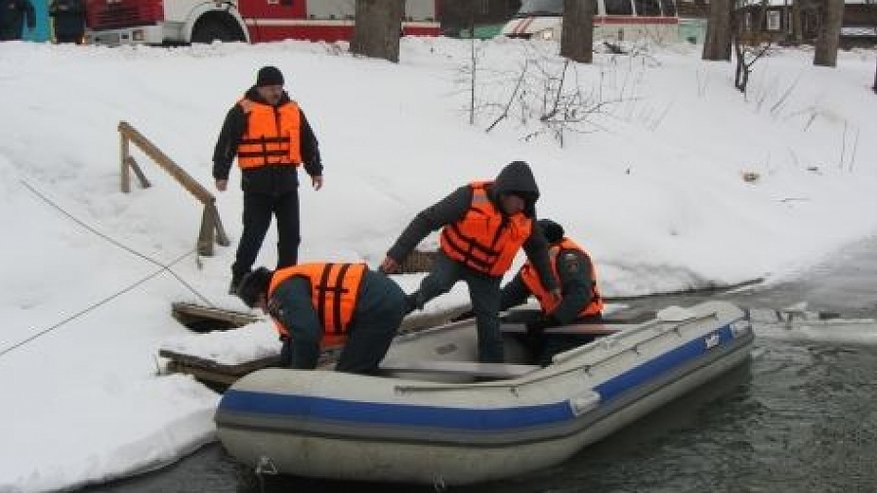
265, 179
574, 269
69, 17
516, 177
12, 14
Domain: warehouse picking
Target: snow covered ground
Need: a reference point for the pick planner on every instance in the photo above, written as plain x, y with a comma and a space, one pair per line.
668, 175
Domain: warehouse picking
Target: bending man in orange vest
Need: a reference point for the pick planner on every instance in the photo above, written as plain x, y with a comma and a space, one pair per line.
271, 138
573, 270
484, 224
321, 305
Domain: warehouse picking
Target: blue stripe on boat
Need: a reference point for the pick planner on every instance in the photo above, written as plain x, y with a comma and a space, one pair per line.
373, 413
613, 387
473, 419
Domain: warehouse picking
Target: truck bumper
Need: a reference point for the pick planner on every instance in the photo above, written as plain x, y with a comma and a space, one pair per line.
128, 36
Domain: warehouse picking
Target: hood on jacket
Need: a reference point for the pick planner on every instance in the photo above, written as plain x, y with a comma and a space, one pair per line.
517, 178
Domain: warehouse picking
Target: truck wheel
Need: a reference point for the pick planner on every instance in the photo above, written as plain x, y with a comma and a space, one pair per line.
213, 29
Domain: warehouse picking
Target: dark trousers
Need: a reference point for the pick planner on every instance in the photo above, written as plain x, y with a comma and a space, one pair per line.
68, 37
484, 294
258, 209
379, 312
541, 346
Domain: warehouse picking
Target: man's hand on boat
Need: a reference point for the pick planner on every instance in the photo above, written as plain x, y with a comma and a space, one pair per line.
389, 265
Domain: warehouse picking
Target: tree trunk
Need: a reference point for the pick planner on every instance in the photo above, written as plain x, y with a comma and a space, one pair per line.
577, 37
797, 27
378, 28
717, 45
829, 33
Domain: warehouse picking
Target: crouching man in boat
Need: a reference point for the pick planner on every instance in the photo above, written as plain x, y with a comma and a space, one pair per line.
571, 268
320, 305
484, 225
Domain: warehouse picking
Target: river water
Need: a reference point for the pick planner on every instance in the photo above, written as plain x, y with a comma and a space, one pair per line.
800, 416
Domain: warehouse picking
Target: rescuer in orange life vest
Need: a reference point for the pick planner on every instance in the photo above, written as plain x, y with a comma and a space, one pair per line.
271, 138
320, 305
581, 302
484, 224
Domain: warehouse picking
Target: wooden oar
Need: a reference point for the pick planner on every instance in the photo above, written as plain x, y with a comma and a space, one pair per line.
598, 329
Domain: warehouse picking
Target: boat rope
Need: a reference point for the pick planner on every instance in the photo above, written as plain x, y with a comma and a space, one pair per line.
439, 485
116, 242
265, 466
91, 307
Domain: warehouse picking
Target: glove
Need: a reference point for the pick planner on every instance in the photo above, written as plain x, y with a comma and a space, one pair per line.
275, 309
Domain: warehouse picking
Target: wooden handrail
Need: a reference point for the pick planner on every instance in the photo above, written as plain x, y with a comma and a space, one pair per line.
210, 221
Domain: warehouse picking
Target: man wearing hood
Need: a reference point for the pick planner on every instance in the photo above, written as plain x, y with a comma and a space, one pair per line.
581, 301
270, 137
484, 224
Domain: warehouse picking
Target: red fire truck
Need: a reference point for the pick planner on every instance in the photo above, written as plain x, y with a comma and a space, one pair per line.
114, 22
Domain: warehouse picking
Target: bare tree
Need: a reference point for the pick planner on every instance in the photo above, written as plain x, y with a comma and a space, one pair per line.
829, 33
875, 80
577, 37
378, 28
717, 44
750, 50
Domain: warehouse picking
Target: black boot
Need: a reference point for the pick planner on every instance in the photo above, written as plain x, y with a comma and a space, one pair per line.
410, 303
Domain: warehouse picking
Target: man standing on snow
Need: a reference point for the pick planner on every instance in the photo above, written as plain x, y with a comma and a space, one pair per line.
12, 15
572, 268
271, 138
484, 225
321, 305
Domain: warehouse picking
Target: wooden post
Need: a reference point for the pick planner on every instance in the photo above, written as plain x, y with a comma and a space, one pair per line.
125, 175
211, 230
205, 235
221, 237
139, 172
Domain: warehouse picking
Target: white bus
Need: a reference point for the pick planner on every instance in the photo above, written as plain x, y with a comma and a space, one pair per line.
614, 20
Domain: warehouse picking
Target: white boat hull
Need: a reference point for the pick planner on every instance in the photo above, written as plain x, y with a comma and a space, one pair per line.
343, 426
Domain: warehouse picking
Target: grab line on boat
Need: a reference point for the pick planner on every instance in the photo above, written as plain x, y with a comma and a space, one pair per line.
585, 367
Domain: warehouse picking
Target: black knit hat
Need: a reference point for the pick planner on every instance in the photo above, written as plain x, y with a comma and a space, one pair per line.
552, 231
254, 284
269, 76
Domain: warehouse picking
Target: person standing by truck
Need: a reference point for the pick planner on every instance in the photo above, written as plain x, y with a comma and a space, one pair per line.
12, 17
69, 20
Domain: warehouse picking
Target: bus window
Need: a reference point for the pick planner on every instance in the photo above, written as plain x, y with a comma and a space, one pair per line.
668, 7
647, 7
541, 8
618, 7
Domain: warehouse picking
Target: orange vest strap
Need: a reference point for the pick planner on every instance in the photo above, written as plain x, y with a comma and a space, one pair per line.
334, 293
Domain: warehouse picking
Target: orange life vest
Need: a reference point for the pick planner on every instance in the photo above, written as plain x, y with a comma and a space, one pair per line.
334, 291
548, 303
483, 239
271, 136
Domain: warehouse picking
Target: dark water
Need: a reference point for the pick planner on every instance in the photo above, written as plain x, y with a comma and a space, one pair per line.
797, 418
